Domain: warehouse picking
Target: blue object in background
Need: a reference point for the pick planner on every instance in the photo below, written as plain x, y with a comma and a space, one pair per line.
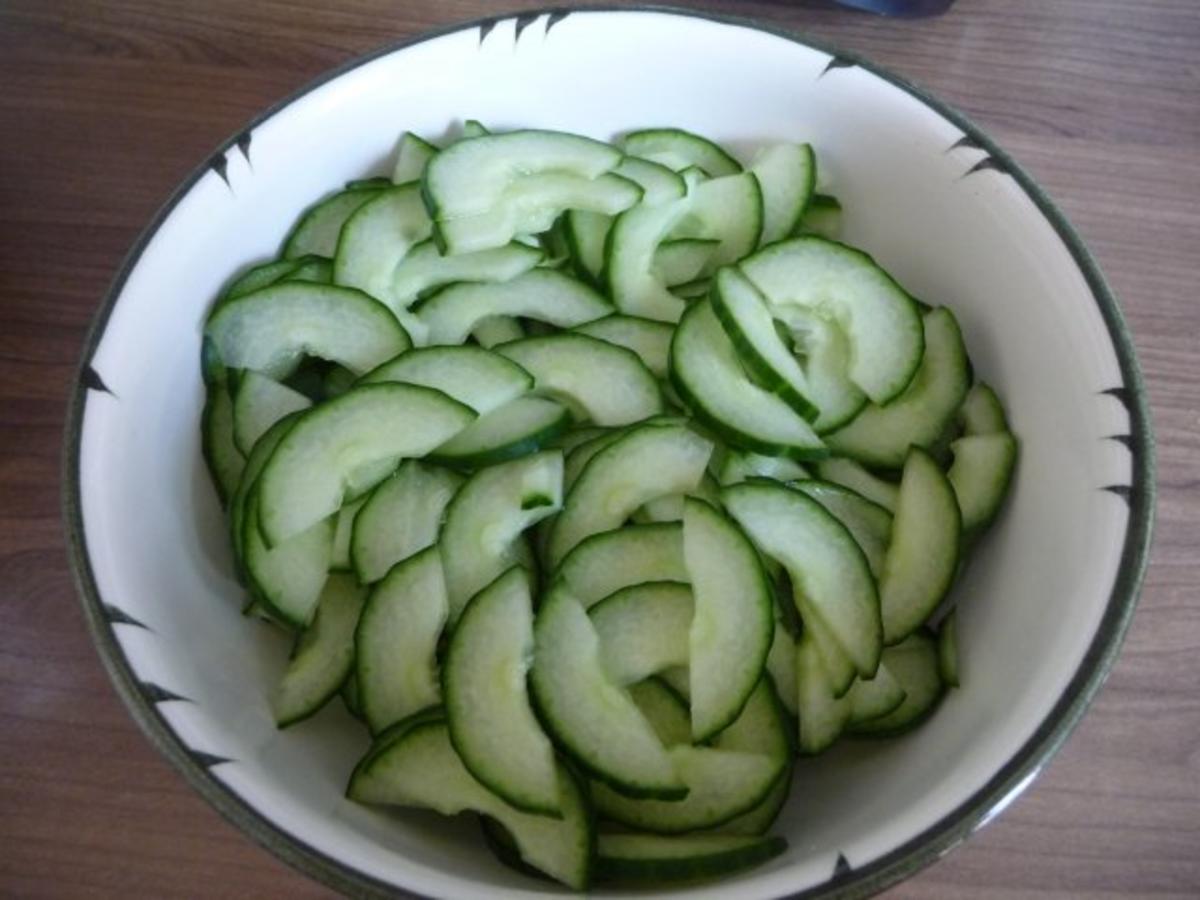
900, 7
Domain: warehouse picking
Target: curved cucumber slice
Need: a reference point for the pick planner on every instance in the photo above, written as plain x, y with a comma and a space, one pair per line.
658, 182
316, 269
683, 260
649, 461
923, 556
496, 330
738, 465
708, 375
643, 629
258, 277
491, 723
586, 235
224, 460
412, 156
425, 268
603, 564
781, 666
875, 698
649, 339
481, 379
288, 577
787, 174
826, 353
592, 718
485, 519
878, 318
981, 472
664, 709
656, 859
269, 330
606, 384
981, 412
729, 210
520, 427
419, 767
579, 457
343, 530
914, 663
258, 404
947, 646
823, 217
850, 474
869, 522
824, 562
734, 621
669, 507
678, 149
881, 435
543, 294
401, 516
376, 238
823, 716
396, 641
635, 287
341, 448
318, 229
324, 653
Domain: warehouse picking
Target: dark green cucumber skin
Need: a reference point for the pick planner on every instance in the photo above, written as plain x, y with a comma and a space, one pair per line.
661, 871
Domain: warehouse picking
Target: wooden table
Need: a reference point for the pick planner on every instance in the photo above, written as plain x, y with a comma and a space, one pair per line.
105, 106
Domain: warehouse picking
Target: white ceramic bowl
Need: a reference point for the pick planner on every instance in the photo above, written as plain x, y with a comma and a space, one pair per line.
1042, 608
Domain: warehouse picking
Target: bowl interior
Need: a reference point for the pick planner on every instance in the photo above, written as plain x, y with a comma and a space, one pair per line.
952, 226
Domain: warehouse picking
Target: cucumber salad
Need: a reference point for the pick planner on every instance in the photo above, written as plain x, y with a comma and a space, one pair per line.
602, 485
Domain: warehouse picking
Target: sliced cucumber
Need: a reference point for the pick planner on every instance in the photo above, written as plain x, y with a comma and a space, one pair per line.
781, 666
881, 435
220, 450
981, 412
253, 467
418, 766
259, 403
823, 716
495, 330
412, 156
485, 519
757, 821
377, 237
656, 859
669, 507
981, 472
423, 268
258, 277
316, 269
693, 290
734, 622
878, 318
869, 523
400, 517
318, 229
648, 462
606, 562
683, 260
602, 382
287, 578
643, 629
923, 556
339, 560
873, 699
324, 653
825, 354
491, 723
520, 427
270, 330
823, 217
914, 663
649, 339
347, 445
825, 564
728, 209
664, 709
738, 465
543, 294
707, 374
947, 646
629, 254
850, 474
396, 641
579, 457
590, 716
481, 379
587, 234
787, 174
840, 669
678, 149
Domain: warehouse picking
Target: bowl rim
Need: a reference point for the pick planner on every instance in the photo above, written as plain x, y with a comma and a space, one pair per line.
981, 807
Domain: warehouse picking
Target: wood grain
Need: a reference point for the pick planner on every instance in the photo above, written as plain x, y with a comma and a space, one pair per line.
105, 106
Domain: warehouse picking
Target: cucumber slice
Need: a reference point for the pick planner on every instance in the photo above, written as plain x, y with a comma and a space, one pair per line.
590, 716
643, 629
729, 210
412, 156
485, 519
678, 149
914, 663
258, 404
981, 412
757, 821
850, 474
324, 653
629, 258
734, 622
254, 463
424, 268
578, 458
479, 378
823, 716
823, 217
316, 269
419, 767
370, 183
318, 229
339, 560
258, 277
840, 669
947, 646
825, 564
577, 436
349, 695
648, 462
396, 641
669, 507
491, 723
649, 339
347, 445
658, 182
606, 562
881, 435
287, 578
377, 237
587, 234
400, 517
869, 523
664, 709
875, 698
693, 290
707, 374
602, 382
781, 667
787, 174
878, 318
655, 859
825, 352
981, 472
682, 260
743, 313
220, 450
543, 294
270, 330
495, 330
520, 427
923, 556
738, 465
